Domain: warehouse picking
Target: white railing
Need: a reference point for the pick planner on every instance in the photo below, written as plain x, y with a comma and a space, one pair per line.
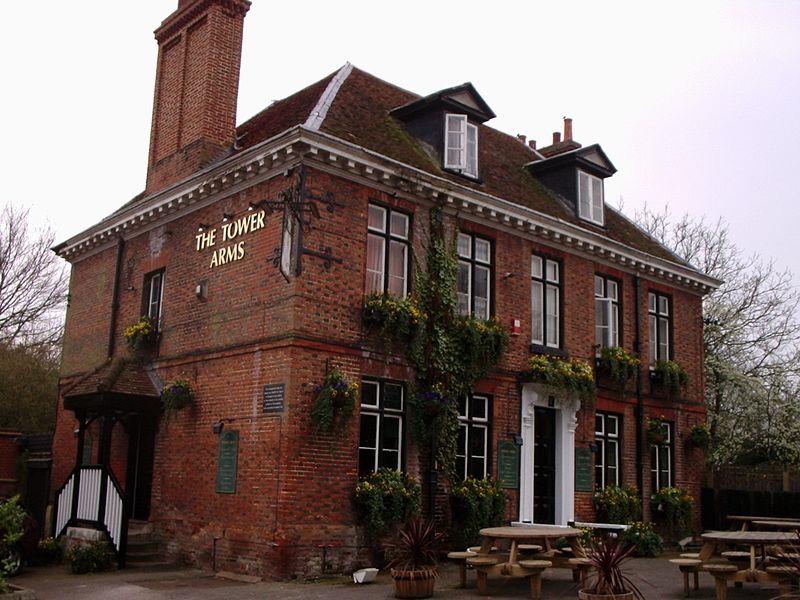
64, 504
108, 510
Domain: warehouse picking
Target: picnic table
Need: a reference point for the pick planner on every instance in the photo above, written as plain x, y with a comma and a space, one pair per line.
747, 520
485, 563
779, 524
754, 568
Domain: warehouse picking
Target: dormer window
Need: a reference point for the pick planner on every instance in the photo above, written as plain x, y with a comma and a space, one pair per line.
590, 198
461, 145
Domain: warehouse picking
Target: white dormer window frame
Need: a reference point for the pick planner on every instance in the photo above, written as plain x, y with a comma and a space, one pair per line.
461, 145
590, 197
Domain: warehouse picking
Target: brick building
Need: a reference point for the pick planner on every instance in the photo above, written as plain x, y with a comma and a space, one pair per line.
252, 249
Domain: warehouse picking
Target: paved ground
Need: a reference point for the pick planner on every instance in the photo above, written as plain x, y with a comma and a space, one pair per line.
656, 578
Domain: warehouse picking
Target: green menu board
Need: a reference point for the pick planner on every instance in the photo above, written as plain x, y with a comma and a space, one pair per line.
228, 460
584, 465
507, 464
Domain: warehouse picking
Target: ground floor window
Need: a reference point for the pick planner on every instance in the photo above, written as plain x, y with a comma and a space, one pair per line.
472, 454
381, 432
607, 458
661, 461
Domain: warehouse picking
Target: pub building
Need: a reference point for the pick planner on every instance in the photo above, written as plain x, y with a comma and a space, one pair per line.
251, 251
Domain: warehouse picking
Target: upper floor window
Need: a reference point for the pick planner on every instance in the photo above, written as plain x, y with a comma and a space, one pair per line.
607, 457
153, 296
660, 322
606, 312
380, 441
461, 145
590, 198
387, 251
545, 302
472, 450
661, 461
474, 275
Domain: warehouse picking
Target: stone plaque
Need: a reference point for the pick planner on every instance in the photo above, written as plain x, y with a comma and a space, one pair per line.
584, 467
228, 461
273, 397
507, 464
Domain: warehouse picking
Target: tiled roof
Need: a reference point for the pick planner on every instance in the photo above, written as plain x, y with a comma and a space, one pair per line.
118, 376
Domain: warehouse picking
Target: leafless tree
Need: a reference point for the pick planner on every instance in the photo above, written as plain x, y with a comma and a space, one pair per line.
33, 283
752, 341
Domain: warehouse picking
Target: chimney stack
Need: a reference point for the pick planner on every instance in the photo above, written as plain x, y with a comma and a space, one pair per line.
521, 137
197, 86
556, 137
532, 144
567, 129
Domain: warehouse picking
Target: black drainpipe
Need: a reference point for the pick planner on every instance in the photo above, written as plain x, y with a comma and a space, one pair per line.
637, 343
115, 297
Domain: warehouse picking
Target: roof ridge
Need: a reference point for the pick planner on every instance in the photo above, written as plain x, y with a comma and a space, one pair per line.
320, 111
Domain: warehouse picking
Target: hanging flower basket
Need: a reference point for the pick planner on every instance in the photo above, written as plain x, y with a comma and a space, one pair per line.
177, 395
333, 402
700, 436
669, 376
571, 375
657, 430
617, 364
432, 402
142, 335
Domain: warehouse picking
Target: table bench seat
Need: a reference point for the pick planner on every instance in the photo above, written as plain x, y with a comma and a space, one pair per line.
687, 566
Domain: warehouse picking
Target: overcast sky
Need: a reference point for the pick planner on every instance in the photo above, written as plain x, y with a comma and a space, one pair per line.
696, 103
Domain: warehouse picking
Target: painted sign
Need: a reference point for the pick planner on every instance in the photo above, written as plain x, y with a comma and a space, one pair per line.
507, 464
584, 467
273, 397
227, 464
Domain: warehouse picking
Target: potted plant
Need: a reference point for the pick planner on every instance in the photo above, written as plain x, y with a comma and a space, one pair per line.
333, 403
607, 555
669, 376
617, 364
142, 335
414, 550
176, 395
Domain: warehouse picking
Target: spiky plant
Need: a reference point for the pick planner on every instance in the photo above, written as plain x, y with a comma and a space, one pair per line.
415, 546
607, 555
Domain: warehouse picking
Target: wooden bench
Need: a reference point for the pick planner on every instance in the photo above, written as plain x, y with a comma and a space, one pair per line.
686, 566
480, 574
721, 573
530, 548
535, 577
461, 559
580, 570
787, 576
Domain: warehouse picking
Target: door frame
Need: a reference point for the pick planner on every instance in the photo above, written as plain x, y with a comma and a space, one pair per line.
566, 409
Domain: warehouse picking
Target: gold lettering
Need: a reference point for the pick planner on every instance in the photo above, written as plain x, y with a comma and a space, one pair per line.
226, 231
205, 239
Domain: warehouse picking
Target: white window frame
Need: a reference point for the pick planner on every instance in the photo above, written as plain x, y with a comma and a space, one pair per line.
155, 286
387, 237
464, 145
607, 442
468, 422
472, 263
590, 203
606, 336
660, 454
659, 316
380, 413
543, 282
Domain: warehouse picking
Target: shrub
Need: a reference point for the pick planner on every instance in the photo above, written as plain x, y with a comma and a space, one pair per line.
48, 552
385, 499
644, 539
476, 503
676, 505
618, 504
12, 516
90, 558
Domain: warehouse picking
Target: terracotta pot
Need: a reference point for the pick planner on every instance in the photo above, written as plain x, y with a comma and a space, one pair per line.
413, 584
585, 595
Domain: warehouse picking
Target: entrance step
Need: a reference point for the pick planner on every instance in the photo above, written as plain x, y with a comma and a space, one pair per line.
143, 548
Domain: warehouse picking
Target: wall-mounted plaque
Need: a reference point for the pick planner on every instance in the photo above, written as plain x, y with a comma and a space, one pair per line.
507, 464
584, 466
228, 461
273, 397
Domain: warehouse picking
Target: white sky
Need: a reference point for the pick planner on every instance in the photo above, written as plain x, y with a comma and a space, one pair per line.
696, 103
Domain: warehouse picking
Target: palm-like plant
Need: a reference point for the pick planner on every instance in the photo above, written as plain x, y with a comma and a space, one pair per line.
415, 546
607, 556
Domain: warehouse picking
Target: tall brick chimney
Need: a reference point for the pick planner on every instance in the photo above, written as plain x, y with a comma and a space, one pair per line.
197, 85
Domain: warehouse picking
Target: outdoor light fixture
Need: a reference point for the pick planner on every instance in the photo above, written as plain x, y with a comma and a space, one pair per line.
218, 427
202, 227
226, 216
593, 447
517, 439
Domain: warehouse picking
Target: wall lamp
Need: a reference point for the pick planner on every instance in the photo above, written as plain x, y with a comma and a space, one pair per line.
217, 427
202, 227
226, 216
593, 447
517, 439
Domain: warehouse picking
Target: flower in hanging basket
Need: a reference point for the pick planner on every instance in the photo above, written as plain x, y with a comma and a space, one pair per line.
618, 364
700, 436
572, 375
333, 402
433, 401
669, 375
141, 335
657, 430
177, 395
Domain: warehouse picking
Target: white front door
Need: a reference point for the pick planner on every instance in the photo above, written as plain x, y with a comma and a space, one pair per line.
551, 467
